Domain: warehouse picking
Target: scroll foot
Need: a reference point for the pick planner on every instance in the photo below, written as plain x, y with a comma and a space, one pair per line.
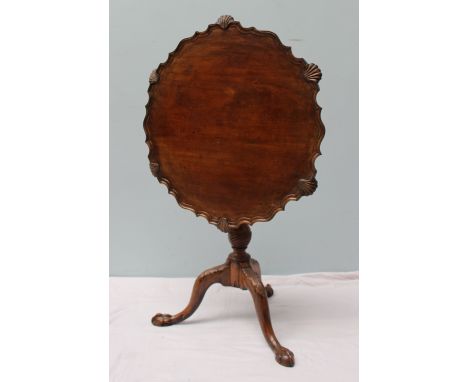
202, 283
284, 356
162, 320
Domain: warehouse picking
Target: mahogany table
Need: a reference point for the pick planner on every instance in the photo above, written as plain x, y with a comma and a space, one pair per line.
233, 130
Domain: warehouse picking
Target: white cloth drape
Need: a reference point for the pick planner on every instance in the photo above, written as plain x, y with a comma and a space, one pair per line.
315, 315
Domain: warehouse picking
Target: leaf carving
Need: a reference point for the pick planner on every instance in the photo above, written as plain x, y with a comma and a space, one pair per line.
223, 225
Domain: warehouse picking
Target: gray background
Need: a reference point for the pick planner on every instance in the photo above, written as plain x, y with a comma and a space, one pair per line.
150, 235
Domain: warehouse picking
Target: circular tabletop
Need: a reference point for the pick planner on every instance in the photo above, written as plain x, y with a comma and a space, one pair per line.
233, 125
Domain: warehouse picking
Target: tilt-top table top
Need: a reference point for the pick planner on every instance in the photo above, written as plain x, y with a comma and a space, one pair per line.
233, 125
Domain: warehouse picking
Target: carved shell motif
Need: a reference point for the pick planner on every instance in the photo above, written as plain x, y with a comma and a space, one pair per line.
304, 187
153, 78
313, 73
307, 186
223, 225
224, 21
154, 167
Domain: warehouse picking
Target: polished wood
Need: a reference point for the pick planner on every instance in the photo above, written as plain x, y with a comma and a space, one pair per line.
239, 271
233, 125
233, 129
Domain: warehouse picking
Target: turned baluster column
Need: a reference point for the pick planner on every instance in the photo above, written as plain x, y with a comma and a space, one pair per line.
240, 238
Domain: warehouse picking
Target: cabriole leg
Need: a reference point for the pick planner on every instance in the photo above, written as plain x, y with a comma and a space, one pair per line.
202, 283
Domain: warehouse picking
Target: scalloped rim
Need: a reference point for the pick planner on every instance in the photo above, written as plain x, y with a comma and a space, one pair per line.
220, 221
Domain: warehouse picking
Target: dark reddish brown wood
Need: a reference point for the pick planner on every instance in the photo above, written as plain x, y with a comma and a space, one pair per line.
202, 283
233, 129
239, 271
233, 125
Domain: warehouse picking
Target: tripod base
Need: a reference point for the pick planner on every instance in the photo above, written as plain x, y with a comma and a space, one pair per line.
240, 271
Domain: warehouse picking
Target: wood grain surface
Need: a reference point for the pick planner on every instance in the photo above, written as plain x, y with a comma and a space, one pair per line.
233, 125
